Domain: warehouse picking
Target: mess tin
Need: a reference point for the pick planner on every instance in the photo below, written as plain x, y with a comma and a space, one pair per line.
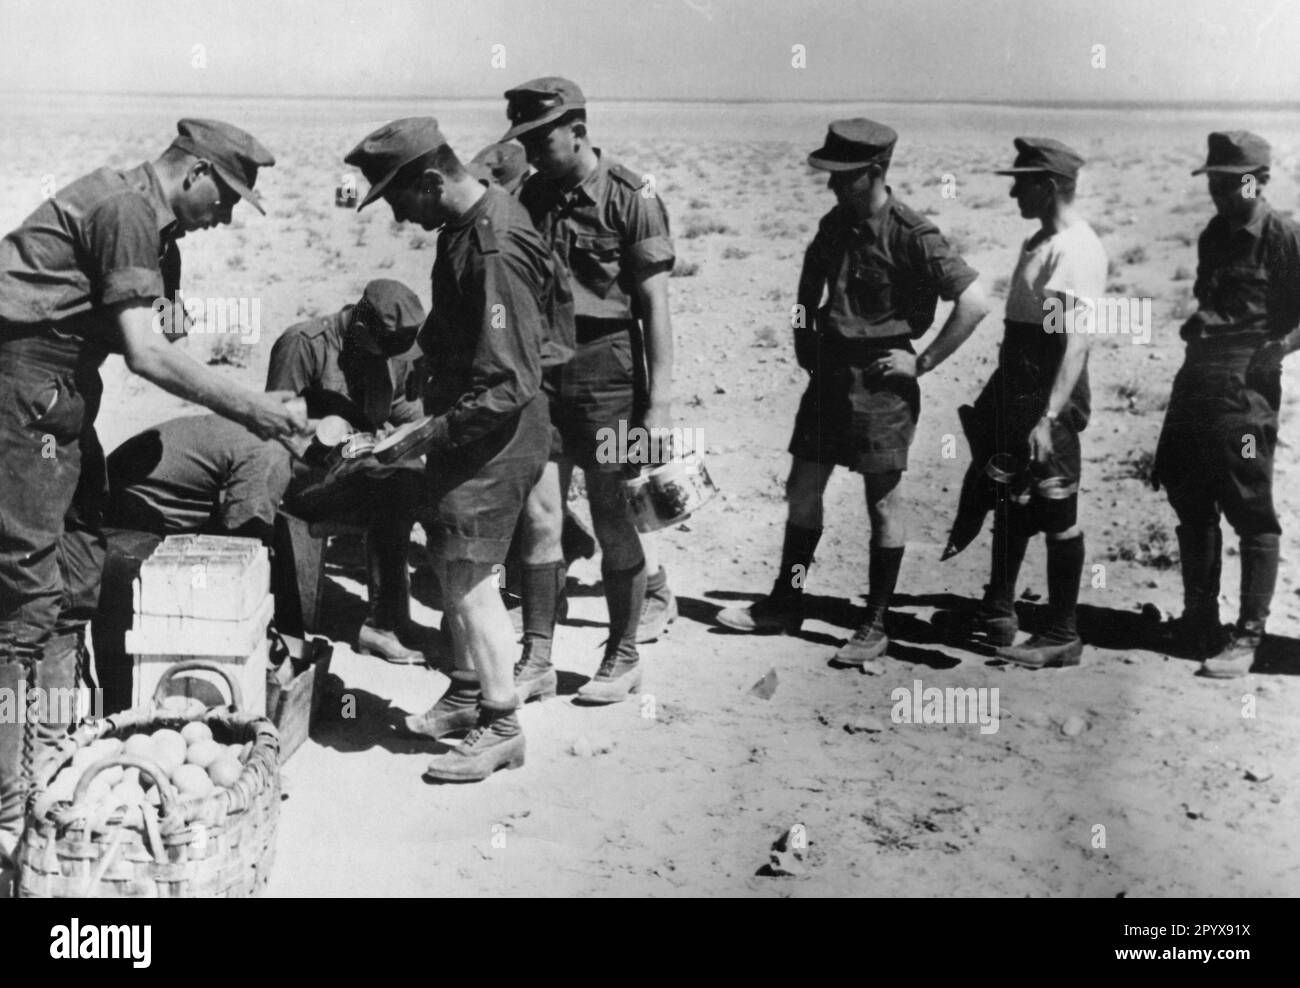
669, 493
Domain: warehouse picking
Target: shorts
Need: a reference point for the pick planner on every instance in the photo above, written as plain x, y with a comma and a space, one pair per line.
847, 421
600, 387
477, 492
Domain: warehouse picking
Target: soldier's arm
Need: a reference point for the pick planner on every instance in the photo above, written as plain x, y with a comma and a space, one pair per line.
969, 311
291, 367
507, 371
939, 264
808, 299
652, 298
147, 354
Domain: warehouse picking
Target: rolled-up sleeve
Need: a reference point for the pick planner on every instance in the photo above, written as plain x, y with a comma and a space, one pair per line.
122, 246
940, 264
648, 244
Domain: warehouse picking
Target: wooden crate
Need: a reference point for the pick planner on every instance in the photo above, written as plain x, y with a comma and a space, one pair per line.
294, 705
241, 646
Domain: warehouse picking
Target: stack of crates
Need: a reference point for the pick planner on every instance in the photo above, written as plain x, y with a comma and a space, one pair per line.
208, 597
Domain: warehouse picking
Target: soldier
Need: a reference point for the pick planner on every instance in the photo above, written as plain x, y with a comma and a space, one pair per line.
882, 268
503, 164
488, 432
79, 279
611, 234
1037, 403
367, 352
1216, 448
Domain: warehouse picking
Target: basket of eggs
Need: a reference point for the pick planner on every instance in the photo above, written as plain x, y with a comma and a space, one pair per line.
171, 799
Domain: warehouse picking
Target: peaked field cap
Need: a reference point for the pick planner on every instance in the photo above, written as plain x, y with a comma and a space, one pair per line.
392, 315
384, 152
1235, 152
500, 163
852, 144
234, 153
1043, 154
539, 102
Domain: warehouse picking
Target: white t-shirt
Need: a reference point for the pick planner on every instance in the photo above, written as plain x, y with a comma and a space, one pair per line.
1070, 262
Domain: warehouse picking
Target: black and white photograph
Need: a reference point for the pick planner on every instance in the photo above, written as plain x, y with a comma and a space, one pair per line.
490, 449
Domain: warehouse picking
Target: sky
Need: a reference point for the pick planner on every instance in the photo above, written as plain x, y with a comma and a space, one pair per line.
996, 50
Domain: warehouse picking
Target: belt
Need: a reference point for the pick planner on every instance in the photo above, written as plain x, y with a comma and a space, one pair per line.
43, 346
588, 330
1233, 346
862, 351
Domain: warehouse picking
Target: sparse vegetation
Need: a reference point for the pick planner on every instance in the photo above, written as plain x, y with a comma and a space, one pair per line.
1154, 546
733, 253
685, 269
1134, 255
228, 351
700, 226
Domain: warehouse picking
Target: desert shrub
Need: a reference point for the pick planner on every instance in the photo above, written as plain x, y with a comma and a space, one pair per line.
685, 269
700, 226
733, 253
228, 351
1154, 545
1182, 273
1134, 255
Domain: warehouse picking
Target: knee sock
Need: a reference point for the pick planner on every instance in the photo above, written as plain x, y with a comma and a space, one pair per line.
883, 576
543, 586
625, 598
796, 551
1008, 553
1064, 572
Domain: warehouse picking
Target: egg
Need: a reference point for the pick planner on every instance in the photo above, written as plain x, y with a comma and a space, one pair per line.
225, 771
203, 753
169, 749
139, 745
190, 780
196, 731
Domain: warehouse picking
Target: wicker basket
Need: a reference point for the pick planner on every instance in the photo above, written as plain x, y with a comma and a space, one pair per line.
219, 845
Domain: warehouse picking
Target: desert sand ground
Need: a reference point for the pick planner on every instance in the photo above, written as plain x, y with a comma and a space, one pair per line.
702, 775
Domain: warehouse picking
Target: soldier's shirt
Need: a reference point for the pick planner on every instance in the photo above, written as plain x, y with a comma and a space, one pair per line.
1247, 280
881, 277
105, 239
606, 232
1070, 264
197, 473
487, 319
308, 355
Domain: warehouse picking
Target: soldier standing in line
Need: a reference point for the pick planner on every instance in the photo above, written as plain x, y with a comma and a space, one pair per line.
881, 268
1215, 454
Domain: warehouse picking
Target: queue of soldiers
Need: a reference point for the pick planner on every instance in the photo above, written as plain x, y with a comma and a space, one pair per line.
549, 322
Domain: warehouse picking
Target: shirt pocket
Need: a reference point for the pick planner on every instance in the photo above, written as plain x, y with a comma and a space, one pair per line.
1243, 289
55, 408
870, 290
595, 262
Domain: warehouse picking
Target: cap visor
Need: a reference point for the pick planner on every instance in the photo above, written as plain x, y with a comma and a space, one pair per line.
1228, 169
244, 191
832, 165
550, 116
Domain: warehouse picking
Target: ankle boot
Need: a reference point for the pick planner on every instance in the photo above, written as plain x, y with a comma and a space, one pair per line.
618, 678
456, 709
389, 587
660, 609
782, 608
535, 677
496, 741
1259, 559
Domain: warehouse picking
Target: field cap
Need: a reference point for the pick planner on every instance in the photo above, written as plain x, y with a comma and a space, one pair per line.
540, 101
854, 144
504, 164
1042, 154
390, 315
235, 154
383, 153
1235, 152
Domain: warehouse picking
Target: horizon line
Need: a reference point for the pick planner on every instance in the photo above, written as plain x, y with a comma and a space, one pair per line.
1159, 104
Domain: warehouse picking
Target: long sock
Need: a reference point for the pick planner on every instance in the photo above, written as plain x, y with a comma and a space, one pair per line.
1064, 573
625, 598
1259, 558
883, 576
1007, 555
796, 556
542, 588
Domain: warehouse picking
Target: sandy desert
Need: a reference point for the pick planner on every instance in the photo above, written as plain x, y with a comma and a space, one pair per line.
702, 775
